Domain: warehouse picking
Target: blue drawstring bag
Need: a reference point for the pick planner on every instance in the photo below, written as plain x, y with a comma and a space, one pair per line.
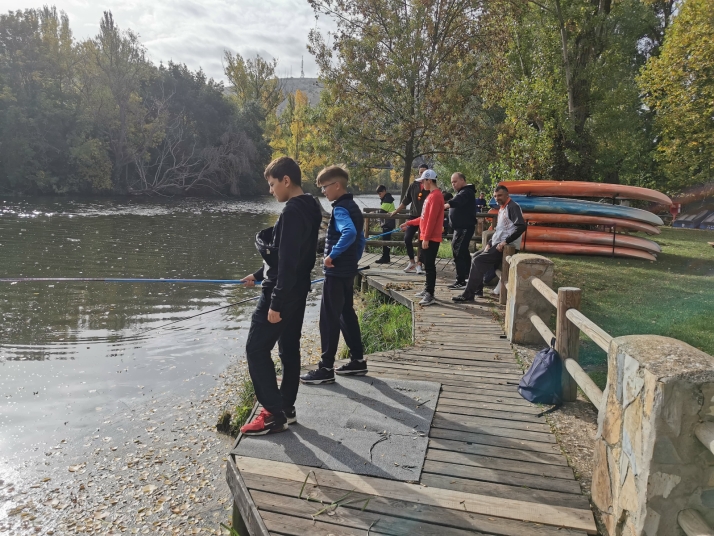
542, 383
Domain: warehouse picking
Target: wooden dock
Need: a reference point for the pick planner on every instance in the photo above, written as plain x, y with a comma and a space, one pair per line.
492, 464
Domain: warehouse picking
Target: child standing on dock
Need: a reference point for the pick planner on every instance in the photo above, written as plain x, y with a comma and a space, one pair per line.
288, 250
414, 199
387, 205
431, 224
344, 246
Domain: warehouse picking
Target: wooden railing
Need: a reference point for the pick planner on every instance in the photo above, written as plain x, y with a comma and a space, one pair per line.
570, 321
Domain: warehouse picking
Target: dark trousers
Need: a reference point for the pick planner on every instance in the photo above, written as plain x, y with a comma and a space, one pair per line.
409, 238
337, 314
482, 263
460, 249
428, 259
261, 340
386, 249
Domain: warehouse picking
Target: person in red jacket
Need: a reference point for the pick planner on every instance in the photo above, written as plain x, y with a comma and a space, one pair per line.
431, 225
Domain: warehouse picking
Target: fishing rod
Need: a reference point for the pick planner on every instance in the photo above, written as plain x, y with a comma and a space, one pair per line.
388, 232
313, 282
118, 280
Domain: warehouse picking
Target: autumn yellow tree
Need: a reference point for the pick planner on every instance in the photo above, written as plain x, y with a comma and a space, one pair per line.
679, 87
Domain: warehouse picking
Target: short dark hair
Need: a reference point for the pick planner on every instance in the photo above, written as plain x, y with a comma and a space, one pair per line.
381, 188
280, 167
332, 172
501, 188
425, 166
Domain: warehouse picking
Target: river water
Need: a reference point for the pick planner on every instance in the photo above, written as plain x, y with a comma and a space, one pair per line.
71, 353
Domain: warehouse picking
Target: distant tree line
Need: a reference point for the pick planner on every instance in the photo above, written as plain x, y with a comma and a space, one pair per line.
97, 117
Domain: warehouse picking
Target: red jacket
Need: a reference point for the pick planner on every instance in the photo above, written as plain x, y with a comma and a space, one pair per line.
431, 221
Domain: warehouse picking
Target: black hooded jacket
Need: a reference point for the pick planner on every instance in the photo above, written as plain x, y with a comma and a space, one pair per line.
463, 207
295, 237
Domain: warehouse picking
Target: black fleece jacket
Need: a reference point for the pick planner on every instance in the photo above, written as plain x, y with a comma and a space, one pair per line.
295, 236
462, 208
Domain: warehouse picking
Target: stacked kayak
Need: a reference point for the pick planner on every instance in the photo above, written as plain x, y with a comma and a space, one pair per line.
548, 218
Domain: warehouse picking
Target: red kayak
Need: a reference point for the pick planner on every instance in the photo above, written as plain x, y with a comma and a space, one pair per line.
585, 189
560, 234
576, 219
569, 248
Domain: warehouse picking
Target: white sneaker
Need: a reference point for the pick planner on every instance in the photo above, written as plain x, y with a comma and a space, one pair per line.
428, 299
410, 267
419, 270
420, 294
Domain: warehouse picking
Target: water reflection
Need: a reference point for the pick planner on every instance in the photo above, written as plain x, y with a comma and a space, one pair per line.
70, 352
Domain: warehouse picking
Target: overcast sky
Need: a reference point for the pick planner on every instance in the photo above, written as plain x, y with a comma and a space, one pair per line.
197, 32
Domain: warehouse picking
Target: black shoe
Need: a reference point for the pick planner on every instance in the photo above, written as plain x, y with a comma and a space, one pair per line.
291, 415
456, 286
356, 367
463, 298
382, 260
321, 375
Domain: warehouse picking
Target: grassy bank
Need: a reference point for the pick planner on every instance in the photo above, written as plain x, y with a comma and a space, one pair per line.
385, 324
673, 296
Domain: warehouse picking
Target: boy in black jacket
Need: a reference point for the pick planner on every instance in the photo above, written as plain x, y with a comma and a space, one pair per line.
386, 205
462, 208
286, 282
344, 245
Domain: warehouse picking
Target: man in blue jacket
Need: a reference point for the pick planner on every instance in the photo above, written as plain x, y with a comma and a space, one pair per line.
344, 245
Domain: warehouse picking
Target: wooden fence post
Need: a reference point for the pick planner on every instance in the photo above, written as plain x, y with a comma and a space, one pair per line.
366, 227
567, 337
505, 267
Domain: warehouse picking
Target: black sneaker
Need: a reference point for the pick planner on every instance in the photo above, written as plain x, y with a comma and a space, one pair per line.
456, 286
291, 415
463, 298
320, 375
265, 423
356, 367
382, 260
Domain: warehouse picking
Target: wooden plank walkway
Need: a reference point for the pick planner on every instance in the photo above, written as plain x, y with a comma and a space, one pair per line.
492, 464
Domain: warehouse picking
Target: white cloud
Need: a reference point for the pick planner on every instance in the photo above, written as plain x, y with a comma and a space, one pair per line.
197, 33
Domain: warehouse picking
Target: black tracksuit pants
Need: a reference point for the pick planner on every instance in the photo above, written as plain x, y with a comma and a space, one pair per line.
428, 259
261, 340
386, 249
337, 314
482, 263
462, 256
409, 233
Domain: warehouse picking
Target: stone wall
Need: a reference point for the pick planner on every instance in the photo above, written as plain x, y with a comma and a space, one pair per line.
648, 463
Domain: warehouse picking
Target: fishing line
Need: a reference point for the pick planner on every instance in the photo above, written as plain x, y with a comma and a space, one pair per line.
313, 282
117, 280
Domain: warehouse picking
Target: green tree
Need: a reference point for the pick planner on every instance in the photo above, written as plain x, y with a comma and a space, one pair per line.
678, 85
253, 80
399, 75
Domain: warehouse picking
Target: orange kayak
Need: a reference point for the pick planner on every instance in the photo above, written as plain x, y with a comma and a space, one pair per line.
577, 219
560, 234
585, 189
570, 248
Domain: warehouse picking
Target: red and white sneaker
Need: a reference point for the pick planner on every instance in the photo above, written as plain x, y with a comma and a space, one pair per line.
265, 423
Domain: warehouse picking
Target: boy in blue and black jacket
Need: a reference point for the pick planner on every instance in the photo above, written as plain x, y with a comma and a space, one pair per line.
344, 245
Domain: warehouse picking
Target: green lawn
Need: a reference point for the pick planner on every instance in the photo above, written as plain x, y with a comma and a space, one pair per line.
673, 296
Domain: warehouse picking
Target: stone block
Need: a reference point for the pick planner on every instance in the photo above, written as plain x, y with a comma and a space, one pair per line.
524, 299
658, 390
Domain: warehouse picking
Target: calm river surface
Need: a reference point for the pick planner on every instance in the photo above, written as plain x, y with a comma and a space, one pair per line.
71, 353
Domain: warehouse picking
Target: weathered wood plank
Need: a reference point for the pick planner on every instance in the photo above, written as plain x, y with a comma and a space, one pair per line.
456, 408
244, 502
519, 452
408, 512
488, 462
487, 402
505, 507
486, 426
502, 492
483, 438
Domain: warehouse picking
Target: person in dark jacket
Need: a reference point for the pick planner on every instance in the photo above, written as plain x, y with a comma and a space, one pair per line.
481, 202
288, 251
447, 224
509, 229
461, 216
414, 199
344, 246
386, 205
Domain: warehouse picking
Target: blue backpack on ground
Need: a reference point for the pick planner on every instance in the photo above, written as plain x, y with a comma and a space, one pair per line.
542, 383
